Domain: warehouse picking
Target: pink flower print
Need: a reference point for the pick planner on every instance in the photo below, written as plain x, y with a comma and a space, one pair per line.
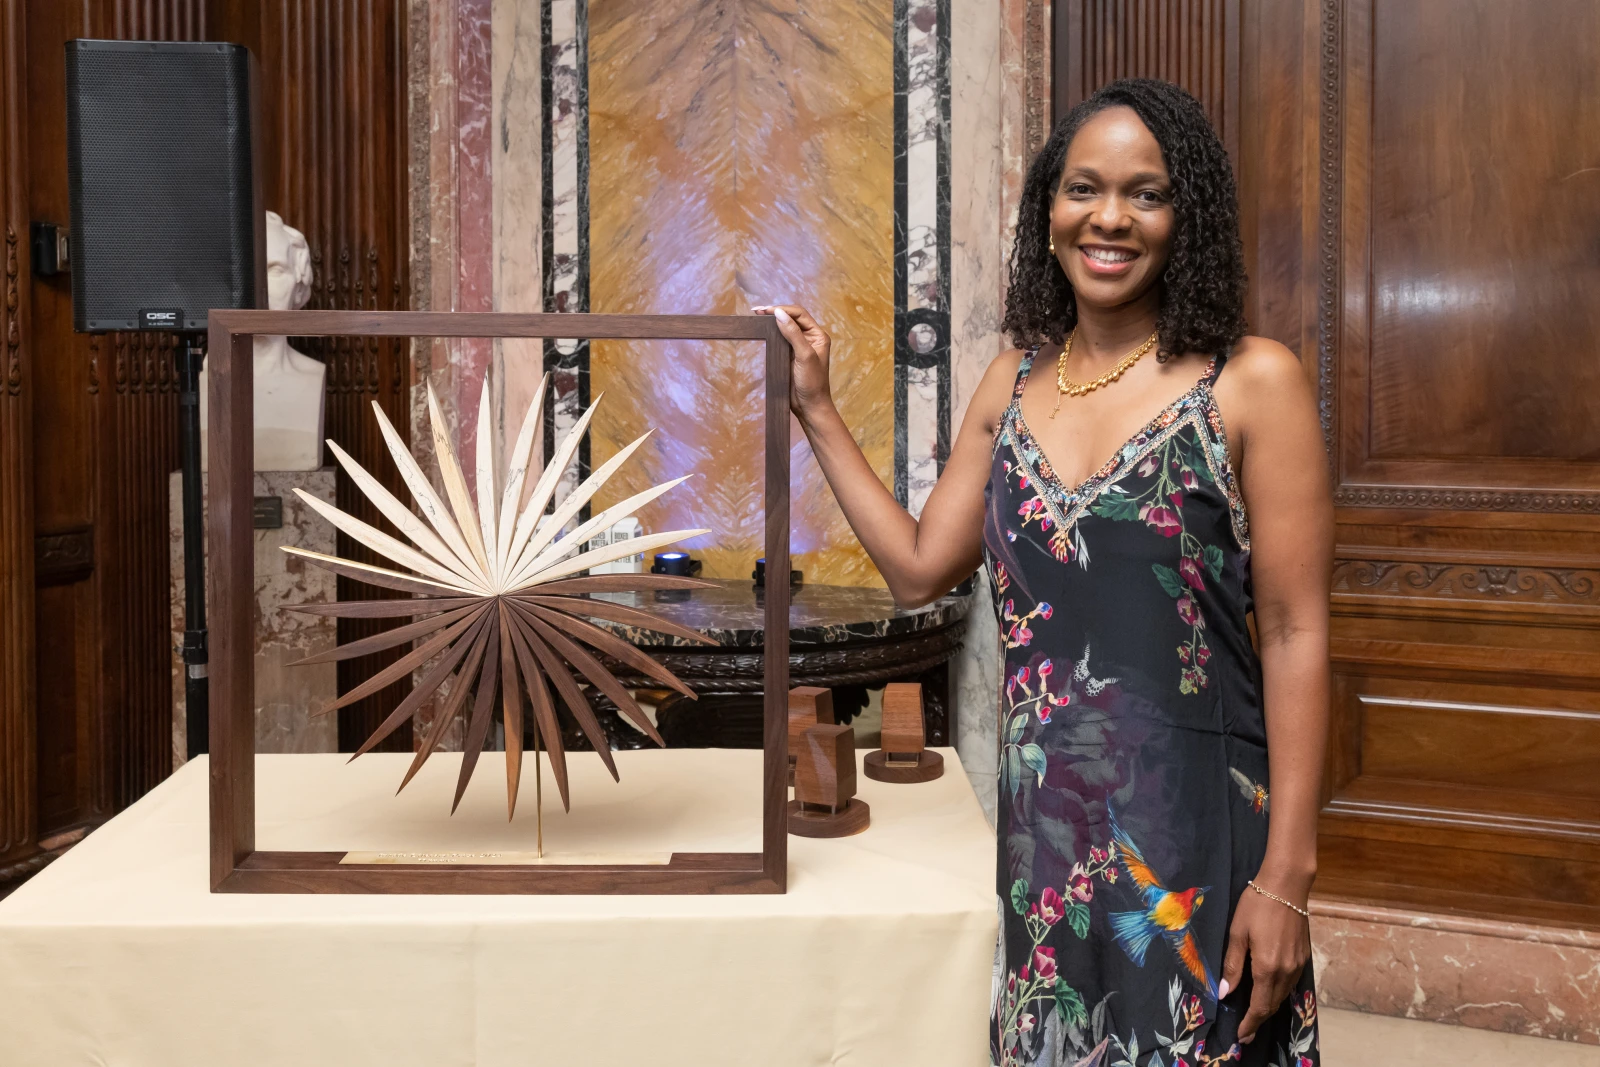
1045, 610
1163, 519
1189, 567
1148, 467
1044, 713
1177, 500
1025, 1021
1011, 686
1044, 963
1051, 906
1021, 635
1011, 607
1022, 483
1025, 975
1045, 522
1201, 655
1046, 667
1079, 885
1183, 653
1191, 481
1022, 675
1189, 612
1098, 855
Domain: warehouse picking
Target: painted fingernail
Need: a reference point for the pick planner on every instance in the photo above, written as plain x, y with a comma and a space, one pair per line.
761, 307
1222, 990
782, 315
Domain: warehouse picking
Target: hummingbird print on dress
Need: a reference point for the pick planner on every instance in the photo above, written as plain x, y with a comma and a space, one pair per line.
1166, 913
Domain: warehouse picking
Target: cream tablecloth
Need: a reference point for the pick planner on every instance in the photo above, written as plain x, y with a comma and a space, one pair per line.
880, 954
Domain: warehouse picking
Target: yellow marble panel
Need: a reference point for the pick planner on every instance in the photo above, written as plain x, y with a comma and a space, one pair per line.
742, 153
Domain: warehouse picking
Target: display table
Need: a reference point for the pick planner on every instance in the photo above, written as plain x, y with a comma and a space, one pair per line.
880, 954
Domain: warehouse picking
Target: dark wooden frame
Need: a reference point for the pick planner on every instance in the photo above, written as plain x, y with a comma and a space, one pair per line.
236, 864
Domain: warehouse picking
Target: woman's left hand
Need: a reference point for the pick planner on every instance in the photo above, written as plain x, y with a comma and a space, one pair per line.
1277, 941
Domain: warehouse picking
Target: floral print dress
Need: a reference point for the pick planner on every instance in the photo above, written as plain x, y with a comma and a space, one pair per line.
1133, 766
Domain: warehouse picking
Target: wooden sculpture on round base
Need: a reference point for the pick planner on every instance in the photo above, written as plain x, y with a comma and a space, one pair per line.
808, 821
903, 759
900, 769
825, 803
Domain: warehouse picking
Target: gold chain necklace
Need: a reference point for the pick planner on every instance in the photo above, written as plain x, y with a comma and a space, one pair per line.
1067, 387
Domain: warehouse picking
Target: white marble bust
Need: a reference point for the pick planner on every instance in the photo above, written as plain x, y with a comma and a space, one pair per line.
288, 384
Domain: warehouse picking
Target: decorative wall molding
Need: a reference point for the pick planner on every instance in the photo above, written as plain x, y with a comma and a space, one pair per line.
1329, 176
1380, 496
13, 305
1468, 582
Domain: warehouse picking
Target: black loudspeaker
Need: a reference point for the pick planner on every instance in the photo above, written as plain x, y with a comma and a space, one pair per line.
162, 174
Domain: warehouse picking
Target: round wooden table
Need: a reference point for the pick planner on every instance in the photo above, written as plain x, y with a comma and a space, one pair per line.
845, 638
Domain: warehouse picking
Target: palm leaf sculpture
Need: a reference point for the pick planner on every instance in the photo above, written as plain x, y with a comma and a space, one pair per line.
497, 594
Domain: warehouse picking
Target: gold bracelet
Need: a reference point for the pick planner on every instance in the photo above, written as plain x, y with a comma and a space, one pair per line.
1280, 900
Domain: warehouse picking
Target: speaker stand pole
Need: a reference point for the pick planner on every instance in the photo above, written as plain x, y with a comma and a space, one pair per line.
190, 353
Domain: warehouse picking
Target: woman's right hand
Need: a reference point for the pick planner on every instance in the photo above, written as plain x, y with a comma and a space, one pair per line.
809, 344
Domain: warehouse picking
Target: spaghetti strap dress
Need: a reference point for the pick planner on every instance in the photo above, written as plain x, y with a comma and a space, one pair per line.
1133, 785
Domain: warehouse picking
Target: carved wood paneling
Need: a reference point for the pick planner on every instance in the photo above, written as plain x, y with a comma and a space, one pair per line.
1472, 582
333, 89
1193, 43
18, 825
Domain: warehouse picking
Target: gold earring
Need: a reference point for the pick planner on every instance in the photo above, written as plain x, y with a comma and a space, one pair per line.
1052, 244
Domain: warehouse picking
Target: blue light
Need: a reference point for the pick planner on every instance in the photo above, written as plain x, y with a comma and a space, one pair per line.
672, 555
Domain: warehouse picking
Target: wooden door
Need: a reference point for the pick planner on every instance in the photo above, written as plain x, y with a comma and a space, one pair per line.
1420, 198
1461, 372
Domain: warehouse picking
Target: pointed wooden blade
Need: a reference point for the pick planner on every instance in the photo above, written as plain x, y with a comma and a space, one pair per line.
484, 449
455, 483
482, 714
405, 665
402, 517
428, 502
574, 503
387, 639
424, 689
394, 550
623, 583
510, 713
606, 554
367, 574
544, 710
452, 704
385, 609
600, 522
572, 696
517, 473
545, 487
611, 645
605, 609
597, 674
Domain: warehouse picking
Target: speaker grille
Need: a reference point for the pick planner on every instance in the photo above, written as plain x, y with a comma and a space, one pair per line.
160, 177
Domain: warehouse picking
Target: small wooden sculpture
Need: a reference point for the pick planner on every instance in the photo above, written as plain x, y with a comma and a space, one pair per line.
809, 706
902, 757
825, 804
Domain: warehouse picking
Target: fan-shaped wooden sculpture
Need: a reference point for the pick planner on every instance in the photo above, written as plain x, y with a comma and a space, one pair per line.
498, 602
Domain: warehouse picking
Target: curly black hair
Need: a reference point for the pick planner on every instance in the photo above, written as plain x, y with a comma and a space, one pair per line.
1202, 299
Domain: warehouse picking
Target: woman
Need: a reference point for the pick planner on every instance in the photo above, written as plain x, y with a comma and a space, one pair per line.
1149, 914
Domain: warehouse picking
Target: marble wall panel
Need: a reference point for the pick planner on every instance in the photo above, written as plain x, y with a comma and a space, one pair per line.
742, 153
1513, 977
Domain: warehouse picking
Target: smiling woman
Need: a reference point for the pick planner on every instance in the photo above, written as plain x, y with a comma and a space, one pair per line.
1150, 914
